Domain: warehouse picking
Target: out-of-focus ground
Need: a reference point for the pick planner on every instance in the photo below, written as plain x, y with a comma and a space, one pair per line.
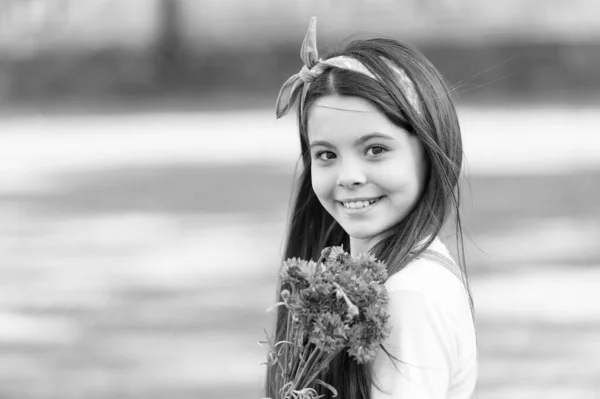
139, 251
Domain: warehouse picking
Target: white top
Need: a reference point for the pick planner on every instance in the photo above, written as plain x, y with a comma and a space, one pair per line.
433, 335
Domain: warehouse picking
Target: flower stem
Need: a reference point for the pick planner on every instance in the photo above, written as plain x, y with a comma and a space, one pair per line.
305, 368
323, 364
287, 338
296, 358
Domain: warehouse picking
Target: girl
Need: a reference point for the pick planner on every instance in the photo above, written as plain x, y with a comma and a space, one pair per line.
382, 154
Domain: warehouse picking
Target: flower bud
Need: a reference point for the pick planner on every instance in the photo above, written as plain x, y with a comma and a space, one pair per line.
353, 310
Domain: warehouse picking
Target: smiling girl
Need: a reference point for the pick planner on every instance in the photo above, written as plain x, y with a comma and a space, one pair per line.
382, 154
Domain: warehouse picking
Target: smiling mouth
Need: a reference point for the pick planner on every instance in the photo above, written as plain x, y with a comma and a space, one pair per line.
357, 205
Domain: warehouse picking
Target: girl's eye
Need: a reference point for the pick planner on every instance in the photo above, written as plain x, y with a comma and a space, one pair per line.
376, 150
326, 153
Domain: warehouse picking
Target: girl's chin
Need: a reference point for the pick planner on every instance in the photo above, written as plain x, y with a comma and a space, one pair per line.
357, 231
362, 238
360, 234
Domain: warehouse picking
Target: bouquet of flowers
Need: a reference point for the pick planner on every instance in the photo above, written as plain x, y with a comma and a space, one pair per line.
337, 303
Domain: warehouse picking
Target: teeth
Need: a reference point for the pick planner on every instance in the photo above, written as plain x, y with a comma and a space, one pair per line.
358, 204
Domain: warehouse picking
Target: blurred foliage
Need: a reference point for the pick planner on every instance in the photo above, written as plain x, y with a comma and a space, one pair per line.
498, 72
202, 49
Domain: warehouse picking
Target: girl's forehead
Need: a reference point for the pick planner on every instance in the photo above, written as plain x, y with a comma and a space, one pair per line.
345, 103
343, 117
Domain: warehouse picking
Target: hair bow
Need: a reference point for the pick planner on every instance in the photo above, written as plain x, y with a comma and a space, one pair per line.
292, 87
313, 67
298, 84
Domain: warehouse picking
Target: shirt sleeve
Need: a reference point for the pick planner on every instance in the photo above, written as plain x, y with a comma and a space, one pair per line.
423, 340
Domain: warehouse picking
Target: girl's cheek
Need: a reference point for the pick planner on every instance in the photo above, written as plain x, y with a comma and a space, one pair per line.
321, 182
316, 181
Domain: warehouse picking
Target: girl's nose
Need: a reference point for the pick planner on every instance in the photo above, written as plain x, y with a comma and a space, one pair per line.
351, 175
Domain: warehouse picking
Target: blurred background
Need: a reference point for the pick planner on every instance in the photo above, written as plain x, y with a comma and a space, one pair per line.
145, 184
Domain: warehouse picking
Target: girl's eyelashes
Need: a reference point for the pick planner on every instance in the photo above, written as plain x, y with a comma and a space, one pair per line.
319, 155
376, 150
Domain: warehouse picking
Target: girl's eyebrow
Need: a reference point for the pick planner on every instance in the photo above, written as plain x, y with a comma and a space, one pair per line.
358, 141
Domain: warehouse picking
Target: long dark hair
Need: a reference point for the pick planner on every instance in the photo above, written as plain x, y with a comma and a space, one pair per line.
311, 227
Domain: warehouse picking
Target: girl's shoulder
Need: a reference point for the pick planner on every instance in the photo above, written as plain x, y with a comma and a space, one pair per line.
434, 273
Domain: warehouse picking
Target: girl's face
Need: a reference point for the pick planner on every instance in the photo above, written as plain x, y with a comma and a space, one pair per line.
367, 172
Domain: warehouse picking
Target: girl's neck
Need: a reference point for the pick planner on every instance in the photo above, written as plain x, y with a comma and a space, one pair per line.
363, 245
359, 246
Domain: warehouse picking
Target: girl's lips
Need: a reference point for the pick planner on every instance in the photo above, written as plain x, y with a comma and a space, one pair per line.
358, 199
357, 211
